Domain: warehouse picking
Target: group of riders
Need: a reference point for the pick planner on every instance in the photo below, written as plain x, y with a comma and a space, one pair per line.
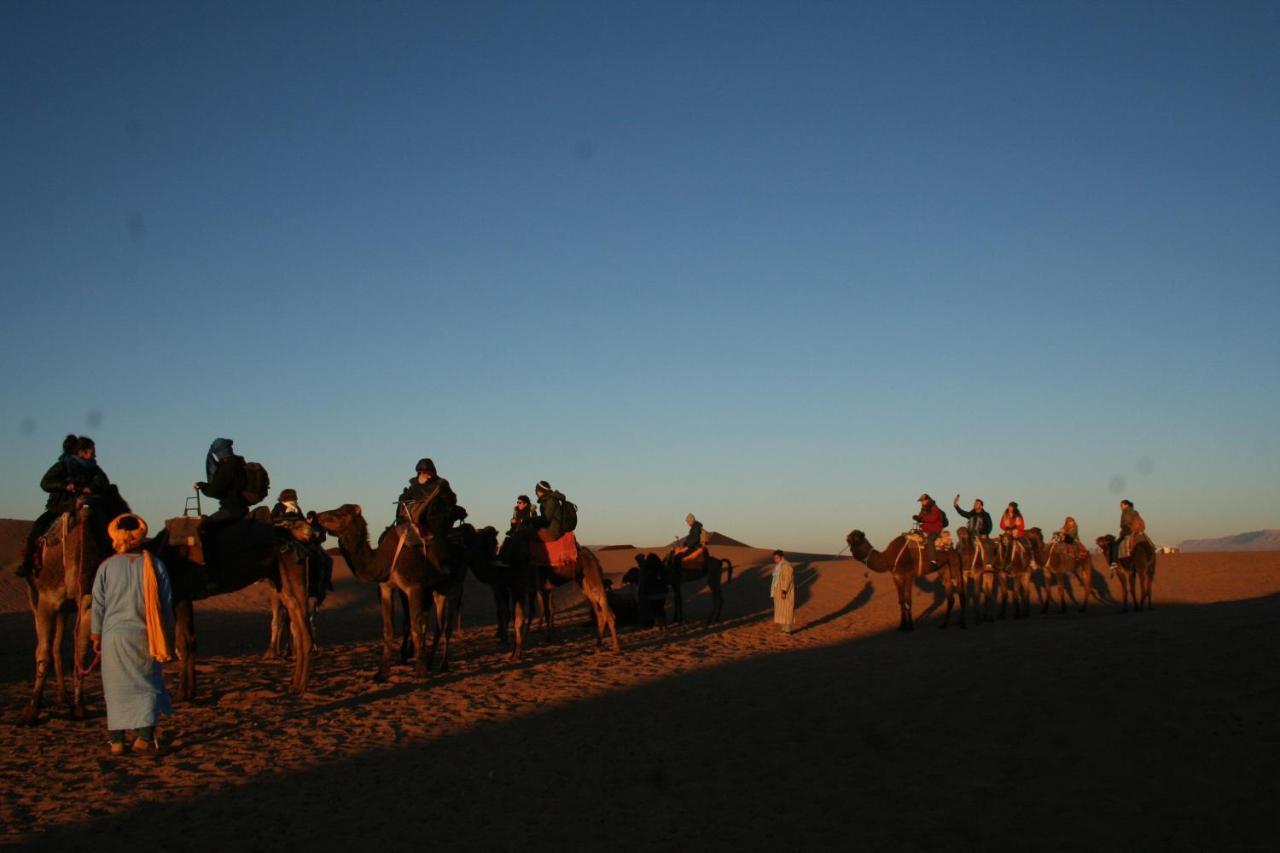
931, 521
428, 504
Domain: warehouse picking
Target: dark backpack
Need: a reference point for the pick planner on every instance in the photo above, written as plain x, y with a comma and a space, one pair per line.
568, 514
257, 483
945, 522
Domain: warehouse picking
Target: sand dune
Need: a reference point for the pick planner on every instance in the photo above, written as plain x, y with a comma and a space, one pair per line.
1069, 732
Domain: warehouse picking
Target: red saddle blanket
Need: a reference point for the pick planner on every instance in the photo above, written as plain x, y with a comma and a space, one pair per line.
560, 553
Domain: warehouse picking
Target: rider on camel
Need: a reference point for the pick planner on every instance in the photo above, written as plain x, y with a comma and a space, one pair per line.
1131, 524
692, 543
979, 524
429, 500
75, 473
932, 521
549, 522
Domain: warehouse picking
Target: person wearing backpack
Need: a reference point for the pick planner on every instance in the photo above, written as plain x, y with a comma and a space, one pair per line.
932, 521
227, 484
556, 515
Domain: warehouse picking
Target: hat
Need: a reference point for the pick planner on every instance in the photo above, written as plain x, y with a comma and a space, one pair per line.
425, 464
288, 495
127, 532
923, 498
543, 486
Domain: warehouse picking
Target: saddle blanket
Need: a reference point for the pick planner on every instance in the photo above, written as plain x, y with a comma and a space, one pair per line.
561, 553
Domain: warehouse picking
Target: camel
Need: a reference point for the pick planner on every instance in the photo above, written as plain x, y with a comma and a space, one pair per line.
515, 588
400, 563
694, 567
905, 559
586, 572
70, 552
247, 551
1136, 571
1060, 560
1016, 563
978, 559
278, 644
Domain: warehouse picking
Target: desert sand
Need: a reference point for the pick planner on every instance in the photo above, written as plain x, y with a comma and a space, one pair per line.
1153, 730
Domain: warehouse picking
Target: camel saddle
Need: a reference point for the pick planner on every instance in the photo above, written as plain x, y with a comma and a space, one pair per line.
560, 553
1128, 543
184, 537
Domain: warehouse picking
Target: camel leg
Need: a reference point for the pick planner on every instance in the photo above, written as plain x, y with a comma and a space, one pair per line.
184, 641
44, 619
387, 601
418, 628
59, 630
1086, 581
502, 611
950, 602
1047, 598
276, 636
605, 619
293, 591
548, 619
82, 643
517, 628
446, 606
904, 583
677, 604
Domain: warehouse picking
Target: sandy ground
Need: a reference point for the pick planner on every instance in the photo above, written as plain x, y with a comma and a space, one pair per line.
1062, 732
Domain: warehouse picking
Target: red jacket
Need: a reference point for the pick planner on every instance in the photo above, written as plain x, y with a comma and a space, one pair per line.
931, 519
1015, 525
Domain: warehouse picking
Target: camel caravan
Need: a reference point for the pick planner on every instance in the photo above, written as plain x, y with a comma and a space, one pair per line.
977, 570
420, 561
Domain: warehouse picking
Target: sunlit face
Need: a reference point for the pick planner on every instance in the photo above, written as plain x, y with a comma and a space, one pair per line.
88, 453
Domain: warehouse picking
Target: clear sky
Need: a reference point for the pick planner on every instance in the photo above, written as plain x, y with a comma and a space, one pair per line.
784, 265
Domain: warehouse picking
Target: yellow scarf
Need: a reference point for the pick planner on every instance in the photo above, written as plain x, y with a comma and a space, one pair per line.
157, 637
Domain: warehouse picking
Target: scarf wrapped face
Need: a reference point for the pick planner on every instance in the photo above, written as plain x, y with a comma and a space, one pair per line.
125, 541
218, 451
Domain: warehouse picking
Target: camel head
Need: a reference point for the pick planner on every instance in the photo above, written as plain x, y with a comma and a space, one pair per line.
857, 541
1105, 542
964, 536
339, 521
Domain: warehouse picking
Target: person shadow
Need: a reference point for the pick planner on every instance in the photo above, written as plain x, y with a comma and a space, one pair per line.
857, 602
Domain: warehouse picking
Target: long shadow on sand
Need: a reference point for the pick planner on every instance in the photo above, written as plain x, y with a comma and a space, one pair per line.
869, 742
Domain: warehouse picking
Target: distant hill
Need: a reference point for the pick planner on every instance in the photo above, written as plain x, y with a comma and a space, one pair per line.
616, 548
1255, 540
721, 539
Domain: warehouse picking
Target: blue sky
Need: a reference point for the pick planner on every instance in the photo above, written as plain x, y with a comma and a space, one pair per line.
783, 265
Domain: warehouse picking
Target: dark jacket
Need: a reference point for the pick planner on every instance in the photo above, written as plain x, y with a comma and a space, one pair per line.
522, 519
979, 522
694, 540
74, 471
228, 484
439, 499
549, 514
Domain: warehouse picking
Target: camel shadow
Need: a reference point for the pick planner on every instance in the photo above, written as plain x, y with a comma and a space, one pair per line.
857, 602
